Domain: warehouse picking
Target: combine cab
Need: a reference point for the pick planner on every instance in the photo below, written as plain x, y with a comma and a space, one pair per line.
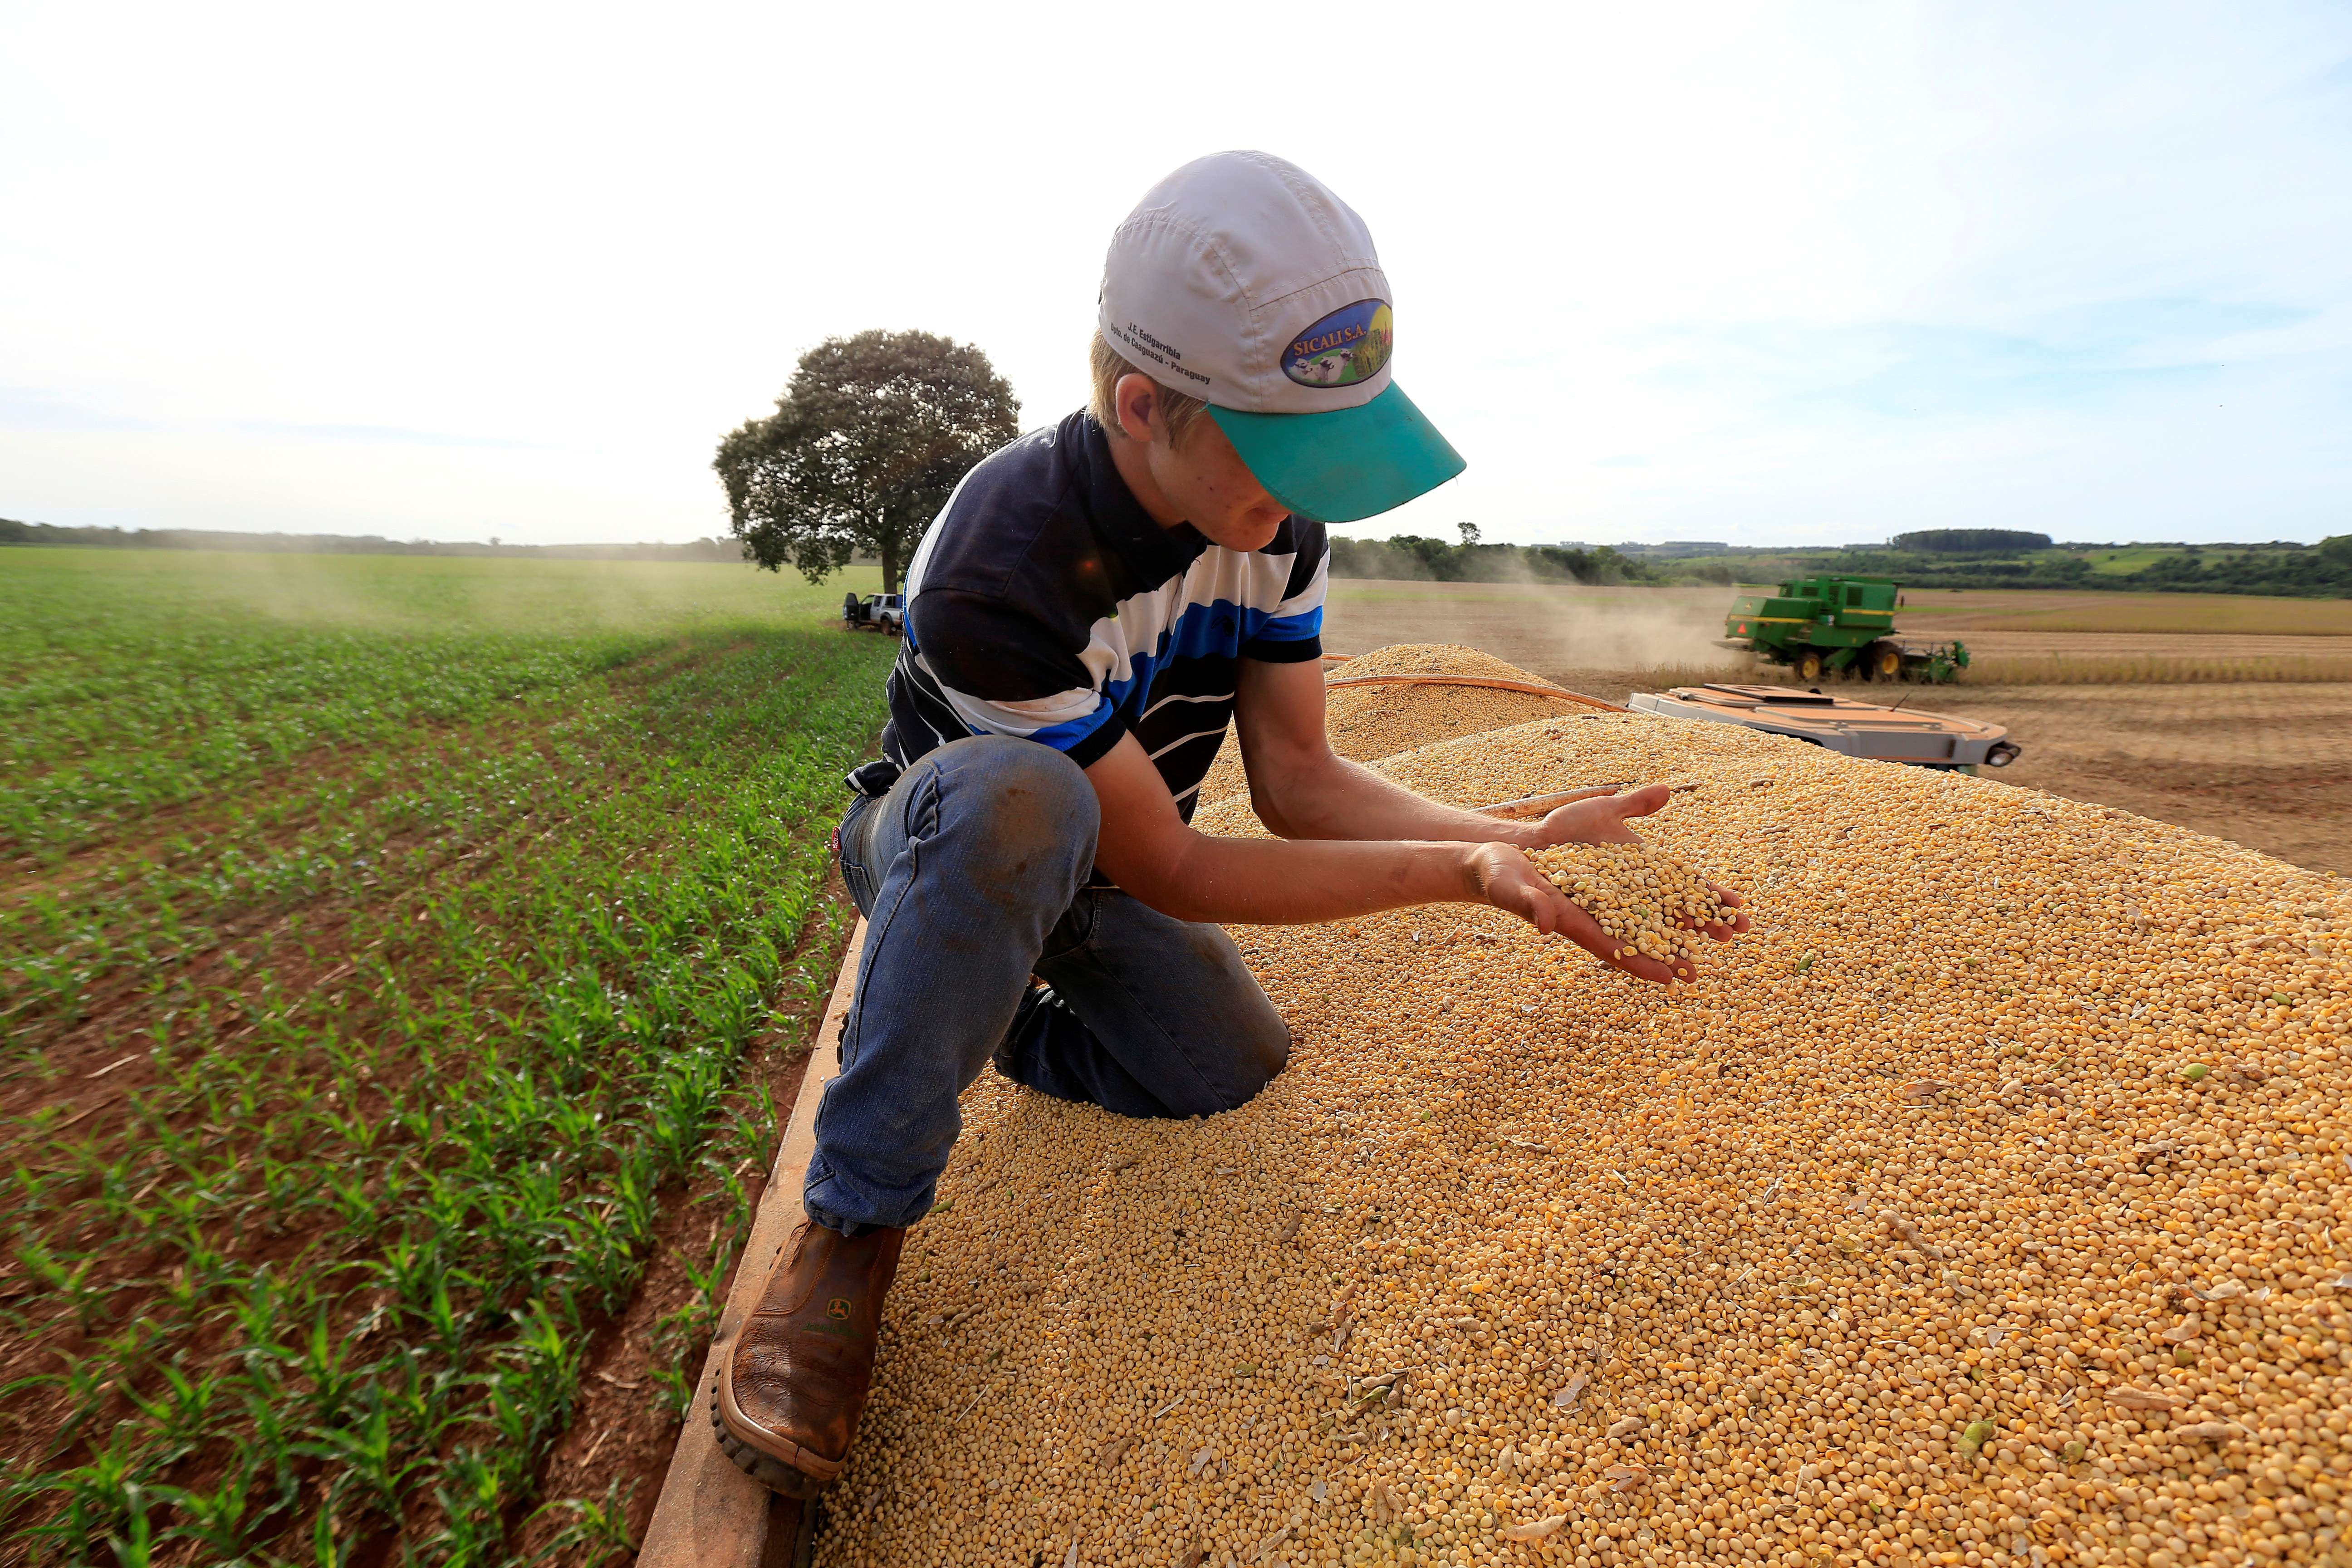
1829, 625
1840, 724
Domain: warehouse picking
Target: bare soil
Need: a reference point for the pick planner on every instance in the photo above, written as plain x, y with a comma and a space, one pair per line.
2265, 761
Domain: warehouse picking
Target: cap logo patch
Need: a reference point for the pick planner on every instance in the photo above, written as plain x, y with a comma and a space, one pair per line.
1347, 346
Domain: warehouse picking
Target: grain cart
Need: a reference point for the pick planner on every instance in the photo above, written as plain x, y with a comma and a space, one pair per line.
1828, 625
1840, 724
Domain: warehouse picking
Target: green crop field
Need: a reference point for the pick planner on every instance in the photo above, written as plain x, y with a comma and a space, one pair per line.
2120, 563
380, 940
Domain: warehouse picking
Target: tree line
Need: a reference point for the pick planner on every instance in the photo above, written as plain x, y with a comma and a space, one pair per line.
1970, 540
2321, 570
2324, 571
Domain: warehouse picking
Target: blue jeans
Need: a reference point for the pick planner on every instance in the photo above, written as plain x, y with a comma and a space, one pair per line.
972, 873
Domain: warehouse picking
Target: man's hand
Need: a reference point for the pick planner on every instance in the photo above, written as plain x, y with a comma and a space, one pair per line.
1356, 842
1599, 819
1508, 881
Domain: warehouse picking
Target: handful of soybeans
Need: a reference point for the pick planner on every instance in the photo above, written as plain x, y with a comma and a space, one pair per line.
1639, 896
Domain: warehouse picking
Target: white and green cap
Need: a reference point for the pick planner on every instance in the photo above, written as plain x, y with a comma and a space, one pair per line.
1242, 279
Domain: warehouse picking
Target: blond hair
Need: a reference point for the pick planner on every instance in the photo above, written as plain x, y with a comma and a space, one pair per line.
1177, 409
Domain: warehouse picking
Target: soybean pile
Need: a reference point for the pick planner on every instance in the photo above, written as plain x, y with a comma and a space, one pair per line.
1367, 723
1985, 1203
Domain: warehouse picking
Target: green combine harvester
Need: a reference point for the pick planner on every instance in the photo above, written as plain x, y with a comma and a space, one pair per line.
1830, 626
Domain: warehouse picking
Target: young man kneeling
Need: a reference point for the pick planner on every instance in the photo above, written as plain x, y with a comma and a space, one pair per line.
1093, 605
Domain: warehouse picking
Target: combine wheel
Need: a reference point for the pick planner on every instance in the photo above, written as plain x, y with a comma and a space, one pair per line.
1882, 661
1809, 668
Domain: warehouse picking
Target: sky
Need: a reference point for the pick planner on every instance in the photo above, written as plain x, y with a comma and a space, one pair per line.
1812, 274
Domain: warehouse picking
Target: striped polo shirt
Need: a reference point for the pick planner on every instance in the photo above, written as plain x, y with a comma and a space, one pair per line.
1045, 603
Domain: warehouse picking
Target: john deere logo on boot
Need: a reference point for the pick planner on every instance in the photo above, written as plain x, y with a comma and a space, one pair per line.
838, 1309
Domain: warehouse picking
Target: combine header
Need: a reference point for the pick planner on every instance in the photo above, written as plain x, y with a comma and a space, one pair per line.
1827, 626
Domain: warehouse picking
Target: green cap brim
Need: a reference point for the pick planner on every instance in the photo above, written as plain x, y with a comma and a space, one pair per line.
1346, 464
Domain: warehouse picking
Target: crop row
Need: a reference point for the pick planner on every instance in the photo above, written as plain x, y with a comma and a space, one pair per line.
414, 1064
124, 731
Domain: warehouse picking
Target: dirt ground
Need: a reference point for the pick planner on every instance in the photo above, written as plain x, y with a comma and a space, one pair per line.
2242, 735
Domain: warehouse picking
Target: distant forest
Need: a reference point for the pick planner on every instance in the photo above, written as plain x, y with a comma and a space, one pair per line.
1970, 541
2322, 571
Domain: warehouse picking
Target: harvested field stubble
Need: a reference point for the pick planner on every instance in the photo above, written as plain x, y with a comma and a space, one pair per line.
2176, 666
1986, 1203
1940, 612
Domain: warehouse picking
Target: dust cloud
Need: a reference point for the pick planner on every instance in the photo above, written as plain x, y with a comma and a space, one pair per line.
1606, 642
1637, 629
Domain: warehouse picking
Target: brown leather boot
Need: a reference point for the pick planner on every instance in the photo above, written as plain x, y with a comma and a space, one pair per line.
789, 1392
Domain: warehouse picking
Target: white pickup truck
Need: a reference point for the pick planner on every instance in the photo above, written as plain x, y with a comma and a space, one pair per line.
876, 613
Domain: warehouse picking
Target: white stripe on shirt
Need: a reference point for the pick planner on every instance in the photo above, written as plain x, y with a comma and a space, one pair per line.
1182, 739
1180, 697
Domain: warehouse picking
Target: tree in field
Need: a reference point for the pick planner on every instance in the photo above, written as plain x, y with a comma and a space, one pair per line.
863, 451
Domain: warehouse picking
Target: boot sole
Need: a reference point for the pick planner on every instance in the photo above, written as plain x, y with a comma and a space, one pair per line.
775, 1473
